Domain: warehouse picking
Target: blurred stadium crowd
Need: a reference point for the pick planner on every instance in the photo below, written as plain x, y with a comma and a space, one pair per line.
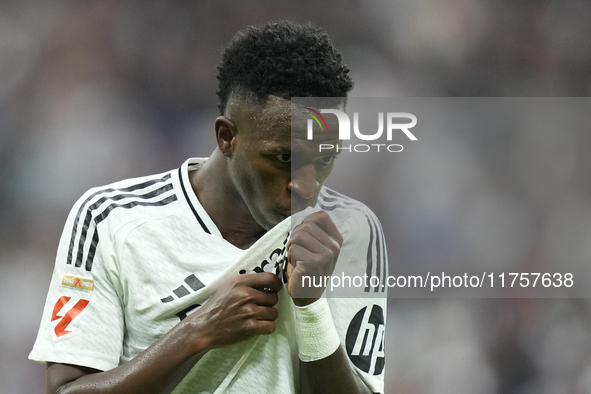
96, 91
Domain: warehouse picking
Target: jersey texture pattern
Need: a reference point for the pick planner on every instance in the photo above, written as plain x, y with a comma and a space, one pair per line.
138, 256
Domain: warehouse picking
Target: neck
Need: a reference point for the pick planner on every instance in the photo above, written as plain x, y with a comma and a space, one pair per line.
222, 203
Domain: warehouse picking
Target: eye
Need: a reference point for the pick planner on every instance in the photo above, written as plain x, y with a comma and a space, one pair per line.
284, 158
326, 161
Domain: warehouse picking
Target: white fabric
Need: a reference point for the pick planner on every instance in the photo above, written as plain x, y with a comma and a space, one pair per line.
315, 331
150, 248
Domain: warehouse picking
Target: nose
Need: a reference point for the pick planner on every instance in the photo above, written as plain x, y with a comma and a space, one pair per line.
303, 182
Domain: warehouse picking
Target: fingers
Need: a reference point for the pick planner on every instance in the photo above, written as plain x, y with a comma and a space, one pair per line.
318, 234
242, 307
310, 243
265, 327
311, 236
260, 288
312, 251
252, 326
264, 298
266, 313
316, 240
263, 280
300, 253
324, 221
260, 320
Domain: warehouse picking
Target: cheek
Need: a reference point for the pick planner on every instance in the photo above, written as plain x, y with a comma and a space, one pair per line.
323, 174
255, 183
261, 183
271, 186
244, 178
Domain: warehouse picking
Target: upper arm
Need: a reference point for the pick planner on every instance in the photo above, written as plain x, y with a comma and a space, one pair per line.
58, 375
83, 319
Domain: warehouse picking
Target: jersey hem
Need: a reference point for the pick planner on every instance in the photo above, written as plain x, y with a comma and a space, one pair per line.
85, 360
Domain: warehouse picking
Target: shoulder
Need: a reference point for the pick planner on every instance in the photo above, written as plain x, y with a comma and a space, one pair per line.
102, 211
342, 208
102, 202
131, 185
331, 200
364, 247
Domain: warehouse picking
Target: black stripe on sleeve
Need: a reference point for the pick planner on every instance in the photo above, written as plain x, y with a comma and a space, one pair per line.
325, 192
91, 252
100, 201
340, 198
369, 258
384, 254
329, 208
375, 257
378, 251
131, 188
330, 199
103, 215
191, 205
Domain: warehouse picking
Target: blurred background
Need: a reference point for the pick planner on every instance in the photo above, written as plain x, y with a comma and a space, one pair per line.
96, 91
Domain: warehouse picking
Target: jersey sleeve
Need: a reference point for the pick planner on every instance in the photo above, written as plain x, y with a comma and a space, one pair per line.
82, 321
359, 311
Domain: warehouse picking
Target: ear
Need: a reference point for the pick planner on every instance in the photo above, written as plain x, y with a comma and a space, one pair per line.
225, 134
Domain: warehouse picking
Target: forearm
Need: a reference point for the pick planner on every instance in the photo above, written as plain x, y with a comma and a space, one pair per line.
331, 375
237, 311
324, 365
158, 369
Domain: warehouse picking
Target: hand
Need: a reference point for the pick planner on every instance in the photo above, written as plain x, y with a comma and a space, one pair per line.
241, 308
313, 250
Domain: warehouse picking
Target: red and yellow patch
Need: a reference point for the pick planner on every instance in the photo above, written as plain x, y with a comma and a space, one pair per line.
78, 283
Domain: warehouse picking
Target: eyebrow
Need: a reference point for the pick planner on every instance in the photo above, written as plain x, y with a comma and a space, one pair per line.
285, 149
279, 149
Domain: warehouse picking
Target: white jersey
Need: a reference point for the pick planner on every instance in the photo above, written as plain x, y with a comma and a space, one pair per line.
136, 257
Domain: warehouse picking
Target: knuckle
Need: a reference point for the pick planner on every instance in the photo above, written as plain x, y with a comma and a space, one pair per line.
298, 234
248, 310
329, 251
334, 252
309, 225
319, 259
323, 215
294, 238
244, 293
239, 281
306, 226
248, 327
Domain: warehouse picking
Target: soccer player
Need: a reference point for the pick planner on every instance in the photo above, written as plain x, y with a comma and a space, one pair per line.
183, 281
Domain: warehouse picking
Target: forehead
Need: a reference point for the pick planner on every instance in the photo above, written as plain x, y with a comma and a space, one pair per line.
278, 122
274, 119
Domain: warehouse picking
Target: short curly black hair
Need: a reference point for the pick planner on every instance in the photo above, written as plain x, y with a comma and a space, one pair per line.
282, 59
